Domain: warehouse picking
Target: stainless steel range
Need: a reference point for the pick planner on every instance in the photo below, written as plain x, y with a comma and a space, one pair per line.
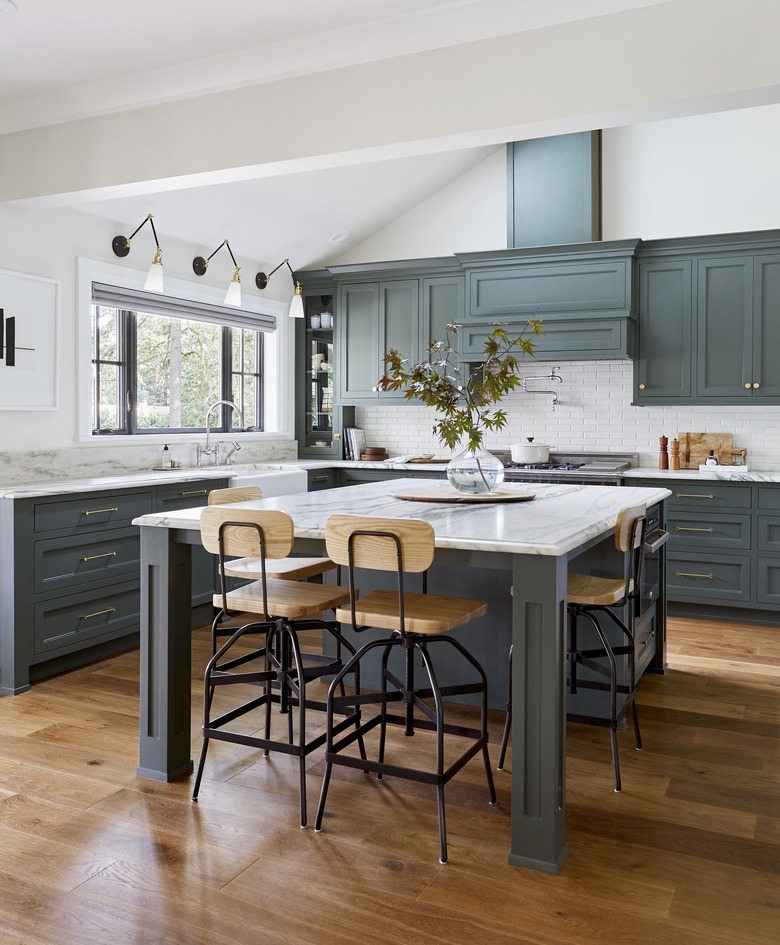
595, 469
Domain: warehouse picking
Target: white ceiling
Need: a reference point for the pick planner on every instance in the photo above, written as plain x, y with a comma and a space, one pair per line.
62, 60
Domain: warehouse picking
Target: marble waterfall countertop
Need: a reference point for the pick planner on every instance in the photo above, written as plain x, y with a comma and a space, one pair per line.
560, 519
720, 473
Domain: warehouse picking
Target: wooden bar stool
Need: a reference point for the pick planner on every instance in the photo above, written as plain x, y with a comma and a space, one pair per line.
415, 621
588, 595
277, 666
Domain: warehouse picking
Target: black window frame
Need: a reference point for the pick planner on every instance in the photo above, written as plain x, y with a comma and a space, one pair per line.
126, 361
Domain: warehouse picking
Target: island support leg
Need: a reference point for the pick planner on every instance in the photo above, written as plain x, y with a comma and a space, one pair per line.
539, 713
166, 567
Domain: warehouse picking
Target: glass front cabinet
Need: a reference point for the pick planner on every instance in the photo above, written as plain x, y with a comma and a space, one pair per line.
319, 421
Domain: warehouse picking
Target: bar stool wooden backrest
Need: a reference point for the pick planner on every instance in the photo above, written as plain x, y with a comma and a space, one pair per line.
630, 529
235, 494
380, 544
255, 533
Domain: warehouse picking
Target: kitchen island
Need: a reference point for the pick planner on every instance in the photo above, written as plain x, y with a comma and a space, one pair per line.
532, 541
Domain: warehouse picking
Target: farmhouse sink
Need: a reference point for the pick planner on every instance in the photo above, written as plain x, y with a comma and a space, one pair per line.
272, 481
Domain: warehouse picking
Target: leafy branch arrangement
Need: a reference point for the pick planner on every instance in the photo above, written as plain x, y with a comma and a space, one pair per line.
465, 408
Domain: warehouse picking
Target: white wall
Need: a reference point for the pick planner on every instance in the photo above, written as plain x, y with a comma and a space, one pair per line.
48, 243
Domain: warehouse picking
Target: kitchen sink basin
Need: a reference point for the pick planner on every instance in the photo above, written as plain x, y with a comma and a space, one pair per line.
273, 481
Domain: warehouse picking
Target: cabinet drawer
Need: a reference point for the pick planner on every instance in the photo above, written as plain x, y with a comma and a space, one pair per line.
322, 479
769, 497
91, 512
768, 580
702, 496
107, 555
709, 532
709, 578
186, 495
69, 623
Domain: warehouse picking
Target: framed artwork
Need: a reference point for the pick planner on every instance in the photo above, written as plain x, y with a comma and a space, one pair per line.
28, 342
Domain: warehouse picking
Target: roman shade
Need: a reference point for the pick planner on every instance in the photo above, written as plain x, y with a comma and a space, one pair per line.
136, 300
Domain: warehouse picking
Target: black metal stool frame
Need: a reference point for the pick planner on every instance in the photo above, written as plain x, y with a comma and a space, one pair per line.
406, 693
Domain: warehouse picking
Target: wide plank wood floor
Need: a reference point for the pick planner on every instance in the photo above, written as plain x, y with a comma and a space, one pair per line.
688, 853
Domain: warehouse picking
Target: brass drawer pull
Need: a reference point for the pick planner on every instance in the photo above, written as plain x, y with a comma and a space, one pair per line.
107, 554
98, 613
319, 479
195, 492
693, 495
707, 577
685, 528
100, 511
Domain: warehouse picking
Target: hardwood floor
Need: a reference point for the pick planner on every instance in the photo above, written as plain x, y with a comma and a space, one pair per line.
688, 853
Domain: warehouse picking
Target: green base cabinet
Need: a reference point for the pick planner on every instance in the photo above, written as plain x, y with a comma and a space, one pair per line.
723, 556
70, 582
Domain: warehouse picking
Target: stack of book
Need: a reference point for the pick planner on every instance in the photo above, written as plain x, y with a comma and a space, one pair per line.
354, 440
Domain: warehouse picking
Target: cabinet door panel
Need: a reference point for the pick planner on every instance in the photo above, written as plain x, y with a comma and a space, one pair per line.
708, 578
665, 330
357, 341
766, 330
724, 347
399, 326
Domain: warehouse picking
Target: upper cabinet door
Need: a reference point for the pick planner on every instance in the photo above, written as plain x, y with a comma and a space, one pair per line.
663, 372
399, 322
766, 332
356, 324
724, 352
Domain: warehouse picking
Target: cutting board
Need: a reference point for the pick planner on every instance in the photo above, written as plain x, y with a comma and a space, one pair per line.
695, 447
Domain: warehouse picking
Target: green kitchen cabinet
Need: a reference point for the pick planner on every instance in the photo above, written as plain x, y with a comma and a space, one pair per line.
371, 318
663, 369
738, 329
708, 320
319, 417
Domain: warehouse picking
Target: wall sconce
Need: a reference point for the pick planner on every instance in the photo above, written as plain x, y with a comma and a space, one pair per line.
233, 295
296, 306
121, 247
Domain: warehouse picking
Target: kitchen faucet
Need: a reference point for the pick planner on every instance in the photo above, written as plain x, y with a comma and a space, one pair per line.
552, 376
208, 450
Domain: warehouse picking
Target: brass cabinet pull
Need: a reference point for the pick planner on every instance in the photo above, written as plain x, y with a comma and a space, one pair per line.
107, 554
707, 577
747, 386
99, 511
319, 479
641, 386
756, 386
693, 495
195, 492
98, 613
685, 528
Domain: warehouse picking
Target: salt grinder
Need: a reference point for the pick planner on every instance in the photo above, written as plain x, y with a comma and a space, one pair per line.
663, 455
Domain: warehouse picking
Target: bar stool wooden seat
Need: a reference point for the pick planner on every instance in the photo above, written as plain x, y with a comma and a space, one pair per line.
416, 621
277, 666
587, 596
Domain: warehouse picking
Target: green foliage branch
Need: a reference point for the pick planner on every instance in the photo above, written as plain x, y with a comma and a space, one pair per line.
466, 408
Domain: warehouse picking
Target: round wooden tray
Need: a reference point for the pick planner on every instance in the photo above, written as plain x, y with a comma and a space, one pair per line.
445, 493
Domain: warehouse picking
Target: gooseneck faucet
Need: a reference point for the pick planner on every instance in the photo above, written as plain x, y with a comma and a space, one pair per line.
207, 450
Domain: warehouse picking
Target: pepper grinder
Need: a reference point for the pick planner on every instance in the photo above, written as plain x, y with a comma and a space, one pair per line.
663, 455
674, 462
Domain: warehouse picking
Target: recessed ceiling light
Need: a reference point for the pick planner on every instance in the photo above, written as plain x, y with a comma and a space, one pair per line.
7, 7
338, 237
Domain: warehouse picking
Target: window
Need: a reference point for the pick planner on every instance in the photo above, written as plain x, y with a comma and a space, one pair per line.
157, 363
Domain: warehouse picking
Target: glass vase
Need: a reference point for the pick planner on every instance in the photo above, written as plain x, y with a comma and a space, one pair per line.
475, 472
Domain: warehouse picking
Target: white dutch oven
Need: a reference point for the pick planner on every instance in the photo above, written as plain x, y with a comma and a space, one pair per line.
530, 452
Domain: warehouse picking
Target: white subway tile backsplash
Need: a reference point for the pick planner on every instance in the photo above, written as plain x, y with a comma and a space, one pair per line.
594, 413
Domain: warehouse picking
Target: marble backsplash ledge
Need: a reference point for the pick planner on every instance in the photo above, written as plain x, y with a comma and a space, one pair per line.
594, 413
116, 460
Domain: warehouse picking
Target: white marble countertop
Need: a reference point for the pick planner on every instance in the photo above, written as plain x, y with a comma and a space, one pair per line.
558, 520
721, 473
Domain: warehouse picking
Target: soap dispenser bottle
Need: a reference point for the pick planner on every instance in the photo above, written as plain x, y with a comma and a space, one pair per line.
166, 457
712, 459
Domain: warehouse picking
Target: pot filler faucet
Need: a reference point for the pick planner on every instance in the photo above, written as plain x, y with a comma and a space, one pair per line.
552, 376
209, 450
